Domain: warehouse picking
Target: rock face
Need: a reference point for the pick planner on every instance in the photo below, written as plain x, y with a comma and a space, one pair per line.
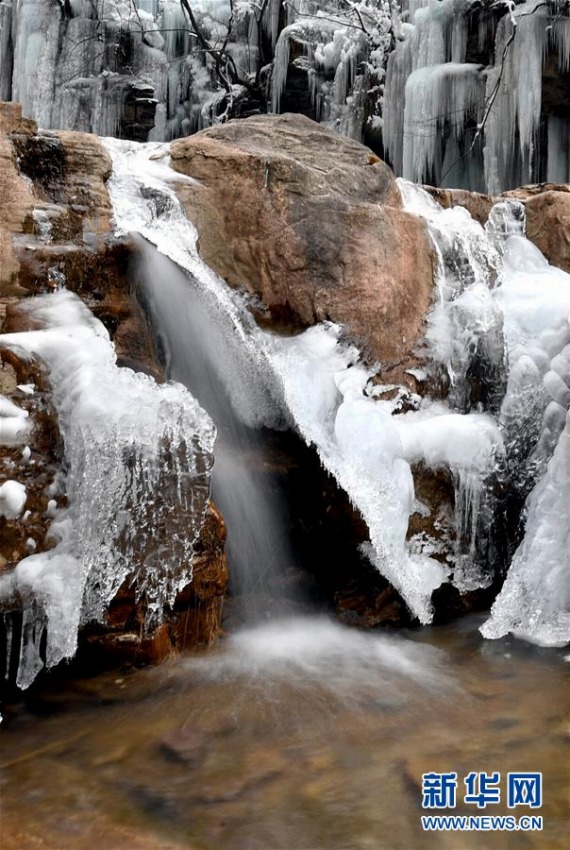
17, 198
312, 224
55, 229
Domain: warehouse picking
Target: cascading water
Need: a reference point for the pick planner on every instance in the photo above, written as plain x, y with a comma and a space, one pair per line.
213, 346
204, 354
478, 333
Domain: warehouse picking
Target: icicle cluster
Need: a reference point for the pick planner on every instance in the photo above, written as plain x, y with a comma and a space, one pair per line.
138, 458
86, 68
525, 39
453, 122
342, 52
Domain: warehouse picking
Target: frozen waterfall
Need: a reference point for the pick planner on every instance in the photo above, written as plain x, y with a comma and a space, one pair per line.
137, 458
495, 285
456, 116
480, 333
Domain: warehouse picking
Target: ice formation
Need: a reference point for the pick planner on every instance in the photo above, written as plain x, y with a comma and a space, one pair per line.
535, 600
12, 499
498, 302
14, 423
138, 458
343, 56
369, 451
450, 121
96, 66
515, 318
438, 83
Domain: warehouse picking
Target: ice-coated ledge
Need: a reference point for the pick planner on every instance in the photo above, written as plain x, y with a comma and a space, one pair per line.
138, 457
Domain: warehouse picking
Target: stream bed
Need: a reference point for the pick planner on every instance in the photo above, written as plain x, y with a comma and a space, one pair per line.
295, 735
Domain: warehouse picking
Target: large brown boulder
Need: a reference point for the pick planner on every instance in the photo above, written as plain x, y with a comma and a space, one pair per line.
312, 223
16, 197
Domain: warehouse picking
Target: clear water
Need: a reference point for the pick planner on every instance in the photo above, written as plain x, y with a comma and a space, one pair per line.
300, 736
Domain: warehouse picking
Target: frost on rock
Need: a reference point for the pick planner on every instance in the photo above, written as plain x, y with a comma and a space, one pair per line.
138, 458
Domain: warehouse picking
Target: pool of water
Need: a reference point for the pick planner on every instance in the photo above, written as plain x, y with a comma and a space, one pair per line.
296, 735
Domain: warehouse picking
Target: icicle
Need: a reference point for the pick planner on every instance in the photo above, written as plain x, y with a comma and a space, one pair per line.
561, 41
412, 125
443, 94
469, 493
8, 623
558, 164
515, 111
30, 662
280, 67
6, 50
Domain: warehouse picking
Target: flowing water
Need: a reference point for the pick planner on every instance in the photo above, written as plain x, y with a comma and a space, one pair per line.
297, 735
205, 355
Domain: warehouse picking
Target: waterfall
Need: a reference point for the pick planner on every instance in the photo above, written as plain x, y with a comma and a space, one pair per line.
203, 353
499, 307
213, 346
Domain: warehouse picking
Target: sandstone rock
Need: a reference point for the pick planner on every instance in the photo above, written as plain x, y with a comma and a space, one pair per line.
312, 223
548, 221
16, 197
476, 204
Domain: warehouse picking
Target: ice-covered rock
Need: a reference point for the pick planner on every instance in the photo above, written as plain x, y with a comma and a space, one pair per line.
528, 306
534, 603
138, 457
